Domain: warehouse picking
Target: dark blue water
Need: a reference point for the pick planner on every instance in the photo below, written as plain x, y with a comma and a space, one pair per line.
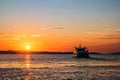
59, 67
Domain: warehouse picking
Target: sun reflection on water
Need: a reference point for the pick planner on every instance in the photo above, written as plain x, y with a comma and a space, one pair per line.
27, 57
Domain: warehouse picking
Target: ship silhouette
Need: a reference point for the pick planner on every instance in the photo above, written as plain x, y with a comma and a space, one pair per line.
81, 52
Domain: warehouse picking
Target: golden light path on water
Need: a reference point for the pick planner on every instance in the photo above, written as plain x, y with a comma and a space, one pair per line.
27, 60
27, 56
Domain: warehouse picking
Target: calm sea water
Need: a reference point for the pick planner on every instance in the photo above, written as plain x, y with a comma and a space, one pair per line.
59, 67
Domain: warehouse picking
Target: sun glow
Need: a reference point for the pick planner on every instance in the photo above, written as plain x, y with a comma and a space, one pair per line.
27, 47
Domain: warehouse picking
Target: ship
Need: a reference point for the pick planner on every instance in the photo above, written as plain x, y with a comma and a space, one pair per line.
81, 52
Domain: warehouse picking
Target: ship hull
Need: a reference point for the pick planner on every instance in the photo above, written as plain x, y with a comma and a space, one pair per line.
81, 55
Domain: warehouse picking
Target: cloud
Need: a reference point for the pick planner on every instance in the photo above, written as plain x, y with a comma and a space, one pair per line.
29, 35
17, 37
94, 33
56, 28
0, 33
110, 38
112, 34
3, 34
106, 34
36, 35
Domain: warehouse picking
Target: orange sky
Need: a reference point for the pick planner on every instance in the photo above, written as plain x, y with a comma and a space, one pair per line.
60, 25
54, 42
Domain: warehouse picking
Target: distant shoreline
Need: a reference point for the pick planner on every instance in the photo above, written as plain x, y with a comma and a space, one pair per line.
33, 52
46, 52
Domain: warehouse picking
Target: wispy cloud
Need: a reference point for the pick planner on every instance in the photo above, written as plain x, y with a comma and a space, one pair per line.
56, 28
29, 35
3, 34
110, 38
106, 34
112, 34
7, 37
0, 33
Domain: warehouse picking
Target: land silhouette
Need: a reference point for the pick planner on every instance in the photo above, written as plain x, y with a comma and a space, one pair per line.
46, 52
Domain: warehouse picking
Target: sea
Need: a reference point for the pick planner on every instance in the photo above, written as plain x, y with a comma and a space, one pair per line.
59, 67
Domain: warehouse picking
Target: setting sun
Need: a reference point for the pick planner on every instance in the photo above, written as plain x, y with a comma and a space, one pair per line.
27, 47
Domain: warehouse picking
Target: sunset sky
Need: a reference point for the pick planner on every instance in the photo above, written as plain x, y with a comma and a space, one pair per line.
60, 25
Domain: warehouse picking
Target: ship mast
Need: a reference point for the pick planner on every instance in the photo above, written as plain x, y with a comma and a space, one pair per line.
79, 45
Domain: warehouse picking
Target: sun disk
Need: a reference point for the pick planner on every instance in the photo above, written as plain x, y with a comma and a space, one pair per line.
27, 47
